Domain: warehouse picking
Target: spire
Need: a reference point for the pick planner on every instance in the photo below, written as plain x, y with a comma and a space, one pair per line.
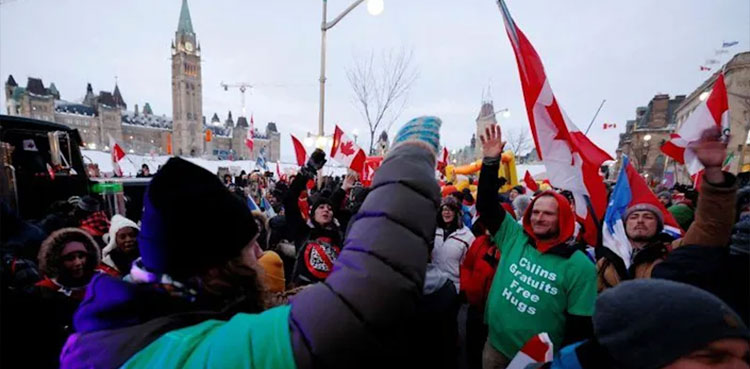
11, 81
185, 25
118, 97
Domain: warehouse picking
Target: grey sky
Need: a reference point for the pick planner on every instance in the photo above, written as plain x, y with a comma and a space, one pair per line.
624, 51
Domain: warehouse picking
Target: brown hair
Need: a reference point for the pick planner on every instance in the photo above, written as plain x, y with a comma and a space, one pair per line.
233, 284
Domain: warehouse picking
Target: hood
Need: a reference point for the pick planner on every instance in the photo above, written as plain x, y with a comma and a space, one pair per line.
49, 252
566, 222
112, 303
117, 223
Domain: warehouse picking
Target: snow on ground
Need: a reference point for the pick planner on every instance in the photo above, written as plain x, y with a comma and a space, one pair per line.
132, 163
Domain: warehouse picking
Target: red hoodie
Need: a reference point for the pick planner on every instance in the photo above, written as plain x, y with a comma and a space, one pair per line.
565, 222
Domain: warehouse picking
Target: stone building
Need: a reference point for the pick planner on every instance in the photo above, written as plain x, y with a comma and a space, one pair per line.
645, 134
485, 118
101, 116
737, 81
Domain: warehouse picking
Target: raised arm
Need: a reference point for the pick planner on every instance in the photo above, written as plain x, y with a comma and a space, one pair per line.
490, 213
357, 316
291, 201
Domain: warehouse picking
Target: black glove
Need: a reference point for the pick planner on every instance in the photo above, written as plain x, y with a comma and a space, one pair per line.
316, 161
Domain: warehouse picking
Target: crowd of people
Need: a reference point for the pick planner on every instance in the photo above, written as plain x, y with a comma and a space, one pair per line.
320, 271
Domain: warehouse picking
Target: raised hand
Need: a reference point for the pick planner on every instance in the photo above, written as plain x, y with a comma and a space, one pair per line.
349, 181
492, 142
711, 151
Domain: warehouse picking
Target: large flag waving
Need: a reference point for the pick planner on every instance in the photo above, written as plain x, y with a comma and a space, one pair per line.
346, 152
630, 189
528, 179
117, 154
571, 159
299, 151
712, 112
538, 349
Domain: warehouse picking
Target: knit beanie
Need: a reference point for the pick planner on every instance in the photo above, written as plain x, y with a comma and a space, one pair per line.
319, 201
649, 323
191, 222
273, 271
683, 214
117, 223
644, 206
520, 189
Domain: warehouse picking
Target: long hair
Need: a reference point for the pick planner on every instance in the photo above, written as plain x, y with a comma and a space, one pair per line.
233, 285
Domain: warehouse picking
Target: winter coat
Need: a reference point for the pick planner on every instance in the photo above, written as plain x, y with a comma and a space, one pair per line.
117, 223
711, 266
354, 319
714, 218
449, 252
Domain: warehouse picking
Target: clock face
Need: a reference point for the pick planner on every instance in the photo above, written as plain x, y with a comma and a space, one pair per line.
188, 46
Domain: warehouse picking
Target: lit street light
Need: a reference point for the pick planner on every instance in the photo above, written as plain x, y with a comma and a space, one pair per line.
374, 7
704, 95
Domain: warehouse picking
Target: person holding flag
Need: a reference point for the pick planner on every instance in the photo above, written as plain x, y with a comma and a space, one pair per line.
543, 283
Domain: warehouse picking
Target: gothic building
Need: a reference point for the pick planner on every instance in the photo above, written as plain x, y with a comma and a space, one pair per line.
102, 115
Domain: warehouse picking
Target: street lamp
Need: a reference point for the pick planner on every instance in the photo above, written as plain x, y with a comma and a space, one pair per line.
355, 132
374, 7
505, 112
704, 95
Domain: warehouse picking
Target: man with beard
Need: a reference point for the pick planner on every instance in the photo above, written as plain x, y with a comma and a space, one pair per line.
543, 283
193, 298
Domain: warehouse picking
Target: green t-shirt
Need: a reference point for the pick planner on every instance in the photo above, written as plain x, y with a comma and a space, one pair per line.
531, 291
245, 341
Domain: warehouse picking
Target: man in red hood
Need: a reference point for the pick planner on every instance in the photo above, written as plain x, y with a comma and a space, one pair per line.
543, 283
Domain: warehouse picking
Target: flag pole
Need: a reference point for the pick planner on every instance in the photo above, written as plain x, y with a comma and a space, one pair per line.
595, 115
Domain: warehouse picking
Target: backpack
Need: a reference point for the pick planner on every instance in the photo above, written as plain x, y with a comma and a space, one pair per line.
478, 270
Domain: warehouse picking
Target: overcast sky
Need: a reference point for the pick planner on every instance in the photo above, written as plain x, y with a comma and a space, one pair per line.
621, 51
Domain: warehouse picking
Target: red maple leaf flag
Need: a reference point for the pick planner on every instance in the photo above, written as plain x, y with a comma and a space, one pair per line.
249, 140
571, 159
712, 112
299, 151
530, 182
346, 152
442, 161
117, 154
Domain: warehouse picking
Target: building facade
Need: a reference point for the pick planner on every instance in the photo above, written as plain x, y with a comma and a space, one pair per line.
737, 81
645, 134
99, 117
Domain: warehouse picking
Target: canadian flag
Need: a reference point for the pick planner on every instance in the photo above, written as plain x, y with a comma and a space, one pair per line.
117, 154
528, 179
609, 125
712, 112
250, 134
346, 152
571, 159
704, 69
537, 350
299, 151
442, 161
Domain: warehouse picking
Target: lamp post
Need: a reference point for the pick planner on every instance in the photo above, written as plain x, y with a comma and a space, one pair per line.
504, 111
355, 133
374, 7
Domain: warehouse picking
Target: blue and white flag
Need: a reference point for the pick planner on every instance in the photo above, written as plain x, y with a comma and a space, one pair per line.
729, 44
613, 232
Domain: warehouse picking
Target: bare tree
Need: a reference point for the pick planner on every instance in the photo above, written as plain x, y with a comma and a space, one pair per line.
519, 141
381, 88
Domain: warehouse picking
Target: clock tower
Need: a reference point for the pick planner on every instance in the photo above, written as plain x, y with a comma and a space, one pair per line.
187, 97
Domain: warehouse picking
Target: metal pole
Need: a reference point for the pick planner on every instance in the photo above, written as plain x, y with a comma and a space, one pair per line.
323, 29
595, 115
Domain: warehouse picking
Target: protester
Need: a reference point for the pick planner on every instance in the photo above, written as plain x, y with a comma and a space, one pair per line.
708, 256
642, 324
144, 172
88, 215
683, 214
452, 240
122, 244
355, 319
665, 198
543, 282
515, 192
318, 241
644, 223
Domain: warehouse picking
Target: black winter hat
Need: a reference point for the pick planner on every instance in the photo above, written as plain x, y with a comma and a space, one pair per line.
649, 323
191, 221
318, 201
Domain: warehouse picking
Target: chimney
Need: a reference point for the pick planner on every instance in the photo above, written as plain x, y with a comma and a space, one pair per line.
135, 108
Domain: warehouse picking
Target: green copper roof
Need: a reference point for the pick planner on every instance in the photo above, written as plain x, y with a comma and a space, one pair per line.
185, 25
